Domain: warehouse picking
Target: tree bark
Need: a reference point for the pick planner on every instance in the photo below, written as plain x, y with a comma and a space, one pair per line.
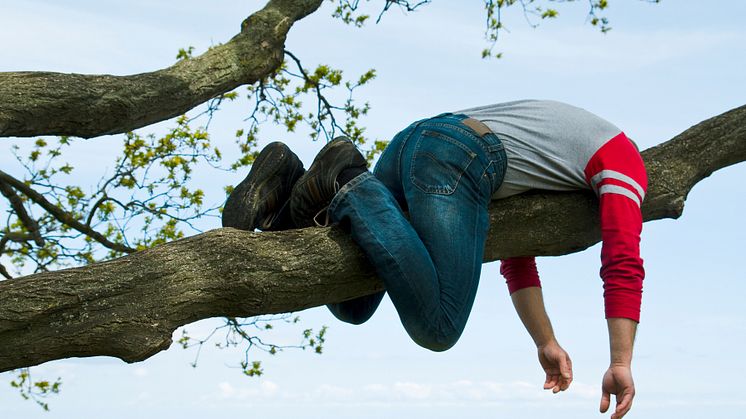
129, 307
44, 103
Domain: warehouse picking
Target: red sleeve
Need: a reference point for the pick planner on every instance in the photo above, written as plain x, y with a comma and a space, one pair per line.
520, 273
617, 175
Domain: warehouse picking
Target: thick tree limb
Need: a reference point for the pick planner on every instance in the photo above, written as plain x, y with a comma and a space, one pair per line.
130, 306
43, 103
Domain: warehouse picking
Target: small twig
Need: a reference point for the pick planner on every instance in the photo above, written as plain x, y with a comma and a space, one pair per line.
61, 215
323, 102
526, 13
94, 208
404, 4
323, 107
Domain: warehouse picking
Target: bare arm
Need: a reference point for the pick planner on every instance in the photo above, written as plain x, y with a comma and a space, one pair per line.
618, 378
529, 304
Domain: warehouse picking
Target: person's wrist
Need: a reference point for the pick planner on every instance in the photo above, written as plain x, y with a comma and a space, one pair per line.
620, 363
621, 341
620, 358
545, 341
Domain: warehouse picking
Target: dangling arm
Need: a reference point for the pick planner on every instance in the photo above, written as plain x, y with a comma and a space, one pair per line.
525, 288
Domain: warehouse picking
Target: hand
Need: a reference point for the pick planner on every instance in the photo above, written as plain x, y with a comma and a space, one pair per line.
557, 365
618, 381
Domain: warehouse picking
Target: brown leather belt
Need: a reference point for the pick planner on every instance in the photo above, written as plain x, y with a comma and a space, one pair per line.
477, 126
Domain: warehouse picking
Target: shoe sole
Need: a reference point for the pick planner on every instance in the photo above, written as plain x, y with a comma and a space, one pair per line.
242, 207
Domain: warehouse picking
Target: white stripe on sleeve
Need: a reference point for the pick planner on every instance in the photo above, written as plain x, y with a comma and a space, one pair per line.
619, 190
613, 174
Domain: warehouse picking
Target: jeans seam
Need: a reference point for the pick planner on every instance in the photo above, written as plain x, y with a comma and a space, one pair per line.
403, 145
476, 234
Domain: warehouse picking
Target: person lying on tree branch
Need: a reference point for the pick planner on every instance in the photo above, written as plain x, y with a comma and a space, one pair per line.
443, 171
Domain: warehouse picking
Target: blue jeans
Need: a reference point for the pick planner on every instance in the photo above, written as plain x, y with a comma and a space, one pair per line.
444, 175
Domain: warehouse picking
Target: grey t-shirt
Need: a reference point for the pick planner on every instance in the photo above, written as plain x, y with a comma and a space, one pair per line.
548, 143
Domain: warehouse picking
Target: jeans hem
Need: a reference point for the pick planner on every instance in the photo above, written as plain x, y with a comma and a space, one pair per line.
346, 188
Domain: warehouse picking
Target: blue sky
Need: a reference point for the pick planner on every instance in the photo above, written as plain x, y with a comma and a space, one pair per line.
660, 70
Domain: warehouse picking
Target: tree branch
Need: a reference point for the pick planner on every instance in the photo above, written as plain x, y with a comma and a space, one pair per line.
4, 272
44, 103
60, 215
324, 108
17, 204
129, 307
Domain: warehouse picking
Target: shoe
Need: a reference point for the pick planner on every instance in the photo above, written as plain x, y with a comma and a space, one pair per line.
261, 199
314, 191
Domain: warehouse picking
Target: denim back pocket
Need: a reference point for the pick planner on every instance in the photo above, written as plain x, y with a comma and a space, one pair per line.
439, 162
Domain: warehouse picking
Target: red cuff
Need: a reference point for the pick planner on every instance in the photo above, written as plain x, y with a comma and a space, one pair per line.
623, 303
520, 273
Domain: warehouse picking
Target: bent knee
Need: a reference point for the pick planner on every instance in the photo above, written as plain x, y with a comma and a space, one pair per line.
348, 315
437, 343
353, 320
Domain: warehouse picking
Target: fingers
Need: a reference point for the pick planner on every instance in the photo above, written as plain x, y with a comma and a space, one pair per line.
605, 401
558, 368
551, 382
622, 407
558, 384
566, 371
559, 380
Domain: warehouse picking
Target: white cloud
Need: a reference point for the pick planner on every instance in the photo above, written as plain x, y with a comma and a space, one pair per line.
412, 391
455, 393
226, 390
693, 402
327, 392
269, 388
265, 390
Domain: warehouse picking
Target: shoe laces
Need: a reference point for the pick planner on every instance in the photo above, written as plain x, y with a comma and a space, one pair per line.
326, 217
325, 210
